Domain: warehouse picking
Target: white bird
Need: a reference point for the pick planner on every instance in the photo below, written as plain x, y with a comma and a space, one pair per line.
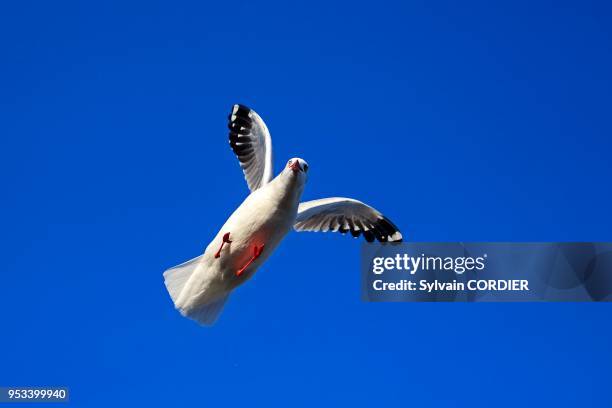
200, 287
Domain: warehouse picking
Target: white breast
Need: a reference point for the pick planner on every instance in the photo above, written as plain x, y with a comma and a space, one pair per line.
264, 218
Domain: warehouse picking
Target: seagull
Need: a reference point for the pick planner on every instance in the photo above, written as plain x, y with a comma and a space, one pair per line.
201, 286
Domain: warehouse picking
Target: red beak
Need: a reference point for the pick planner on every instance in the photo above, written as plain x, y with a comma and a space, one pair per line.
295, 166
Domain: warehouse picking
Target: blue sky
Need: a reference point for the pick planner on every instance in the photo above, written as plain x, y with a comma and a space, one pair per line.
467, 121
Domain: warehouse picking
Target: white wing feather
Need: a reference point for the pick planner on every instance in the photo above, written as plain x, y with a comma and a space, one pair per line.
346, 215
251, 142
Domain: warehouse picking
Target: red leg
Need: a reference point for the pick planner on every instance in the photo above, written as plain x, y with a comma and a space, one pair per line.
226, 240
256, 252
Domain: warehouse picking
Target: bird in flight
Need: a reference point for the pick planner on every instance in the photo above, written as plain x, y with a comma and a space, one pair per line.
200, 287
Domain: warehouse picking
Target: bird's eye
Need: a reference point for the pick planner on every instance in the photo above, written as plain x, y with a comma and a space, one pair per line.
305, 167
289, 163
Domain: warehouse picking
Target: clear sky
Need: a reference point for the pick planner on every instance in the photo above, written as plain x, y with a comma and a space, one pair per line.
461, 121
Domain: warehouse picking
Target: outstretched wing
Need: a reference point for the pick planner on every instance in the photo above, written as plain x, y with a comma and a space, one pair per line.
346, 215
251, 142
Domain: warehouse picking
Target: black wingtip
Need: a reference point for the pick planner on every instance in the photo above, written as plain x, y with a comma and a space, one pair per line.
388, 231
239, 121
239, 111
382, 230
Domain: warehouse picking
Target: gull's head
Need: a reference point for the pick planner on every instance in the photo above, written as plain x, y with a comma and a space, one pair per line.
297, 168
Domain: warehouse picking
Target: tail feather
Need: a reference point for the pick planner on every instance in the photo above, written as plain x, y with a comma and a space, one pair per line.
176, 277
208, 314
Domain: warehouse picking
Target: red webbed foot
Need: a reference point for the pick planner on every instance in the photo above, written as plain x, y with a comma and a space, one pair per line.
226, 240
257, 250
